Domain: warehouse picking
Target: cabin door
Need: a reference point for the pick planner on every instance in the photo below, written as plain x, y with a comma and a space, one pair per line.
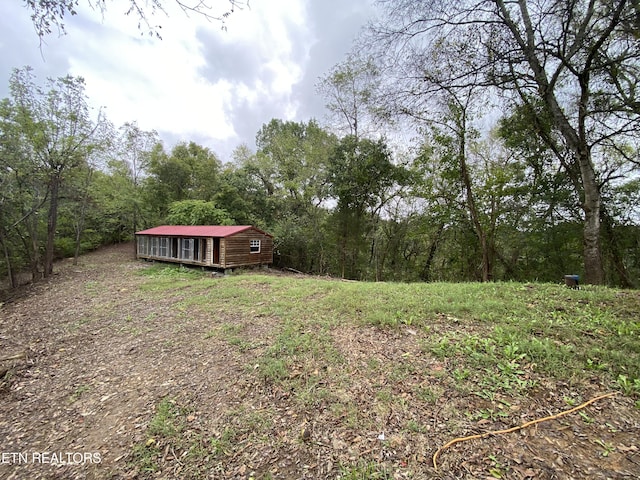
216, 251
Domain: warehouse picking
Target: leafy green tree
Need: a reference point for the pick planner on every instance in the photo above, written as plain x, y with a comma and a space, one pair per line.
56, 124
292, 167
188, 172
22, 194
363, 180
349, 89
134, 149
197, 212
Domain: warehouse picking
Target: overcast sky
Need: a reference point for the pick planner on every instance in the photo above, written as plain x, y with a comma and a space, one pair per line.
199, 82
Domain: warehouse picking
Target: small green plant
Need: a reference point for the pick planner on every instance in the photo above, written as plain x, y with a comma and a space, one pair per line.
607, 447
222, 446
628, 386
587, 419
488, 414
78, 392
461, 374
415, 427
486, 394
497, 470
364, 471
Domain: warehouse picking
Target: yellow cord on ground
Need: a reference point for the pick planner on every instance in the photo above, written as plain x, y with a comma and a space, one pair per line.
513, 429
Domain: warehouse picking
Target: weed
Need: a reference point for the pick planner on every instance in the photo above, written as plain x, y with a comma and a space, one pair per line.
607, 447
460, 374
628, 386
489, 414
78, 392
363, 471
587, 419
497, 470
429, 395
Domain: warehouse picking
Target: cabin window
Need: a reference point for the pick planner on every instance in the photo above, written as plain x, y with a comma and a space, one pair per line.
254, 246
164, 247
187, 249
154, 246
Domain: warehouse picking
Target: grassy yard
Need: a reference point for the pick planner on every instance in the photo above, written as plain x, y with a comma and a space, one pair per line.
367, 380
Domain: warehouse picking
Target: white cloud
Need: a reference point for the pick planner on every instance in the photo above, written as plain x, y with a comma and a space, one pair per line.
199, 82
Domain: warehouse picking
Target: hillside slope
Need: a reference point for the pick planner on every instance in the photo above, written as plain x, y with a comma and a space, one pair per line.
121, 369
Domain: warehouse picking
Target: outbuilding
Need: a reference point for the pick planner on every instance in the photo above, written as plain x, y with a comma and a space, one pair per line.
216, 246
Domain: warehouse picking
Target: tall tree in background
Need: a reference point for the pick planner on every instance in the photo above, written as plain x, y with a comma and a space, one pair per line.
134, 148
348, 90
292, 165
578, 60
188, 172
363, 180
56, 124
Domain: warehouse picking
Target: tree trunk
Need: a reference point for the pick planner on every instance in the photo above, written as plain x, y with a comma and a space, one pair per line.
83, 213
487, 267
594, 271
426, 269
52, 220
7, 258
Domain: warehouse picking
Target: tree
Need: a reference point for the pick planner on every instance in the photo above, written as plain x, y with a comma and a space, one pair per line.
291, 165
363, 180
49, 14
188, 172
134, 148
578, 60
197, 212
349, 89
59, 131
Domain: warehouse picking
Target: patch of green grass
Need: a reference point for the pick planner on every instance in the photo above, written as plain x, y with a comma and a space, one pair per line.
232, 333
169, 430
429, 395
272, 369
363, 471
163, 428
92, 288
493, 330
164, 270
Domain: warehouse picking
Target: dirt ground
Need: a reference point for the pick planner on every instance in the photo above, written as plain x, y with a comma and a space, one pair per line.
78, 391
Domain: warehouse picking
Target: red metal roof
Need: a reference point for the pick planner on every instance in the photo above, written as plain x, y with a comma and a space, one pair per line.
198, 230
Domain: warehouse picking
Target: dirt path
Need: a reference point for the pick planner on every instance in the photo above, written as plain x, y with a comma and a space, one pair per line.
87, 386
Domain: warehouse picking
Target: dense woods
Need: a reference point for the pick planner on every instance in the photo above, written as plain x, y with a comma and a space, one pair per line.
522, 162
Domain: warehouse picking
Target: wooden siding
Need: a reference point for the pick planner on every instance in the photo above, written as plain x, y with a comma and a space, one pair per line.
236, 251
